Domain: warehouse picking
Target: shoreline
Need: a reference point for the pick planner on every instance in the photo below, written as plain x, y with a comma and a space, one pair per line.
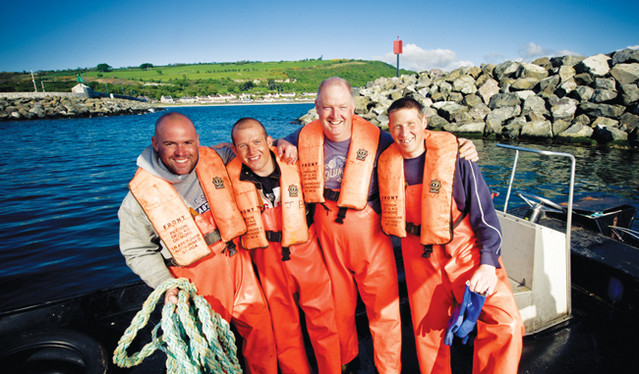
165, 106
25, 108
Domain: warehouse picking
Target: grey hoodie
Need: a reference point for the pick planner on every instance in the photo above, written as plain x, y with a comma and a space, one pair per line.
140, 245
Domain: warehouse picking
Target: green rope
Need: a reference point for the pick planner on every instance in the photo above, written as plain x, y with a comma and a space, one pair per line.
195, 340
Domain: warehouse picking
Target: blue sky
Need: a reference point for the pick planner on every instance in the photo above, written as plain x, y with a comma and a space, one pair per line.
48, 35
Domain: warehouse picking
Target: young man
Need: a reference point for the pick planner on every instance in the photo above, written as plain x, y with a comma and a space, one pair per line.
180, 220
284, 249
338, 161
442, 209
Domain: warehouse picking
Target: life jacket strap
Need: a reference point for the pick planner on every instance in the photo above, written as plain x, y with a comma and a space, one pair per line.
286, 254
428, 249
274, 236
212, 237
413, 229
230, 249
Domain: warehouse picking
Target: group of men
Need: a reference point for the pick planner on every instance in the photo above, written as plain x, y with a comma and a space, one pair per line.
317, 233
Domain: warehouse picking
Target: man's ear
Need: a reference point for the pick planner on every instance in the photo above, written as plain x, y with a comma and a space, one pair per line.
269, 141
154, 142
234, 150
425, 123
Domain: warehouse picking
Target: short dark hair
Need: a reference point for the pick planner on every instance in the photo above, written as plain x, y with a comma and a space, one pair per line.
405, 103
244, 121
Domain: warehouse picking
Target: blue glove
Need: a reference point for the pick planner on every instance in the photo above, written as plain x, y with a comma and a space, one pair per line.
464, 318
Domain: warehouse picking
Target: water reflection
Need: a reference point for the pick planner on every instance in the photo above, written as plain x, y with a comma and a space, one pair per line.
600, 173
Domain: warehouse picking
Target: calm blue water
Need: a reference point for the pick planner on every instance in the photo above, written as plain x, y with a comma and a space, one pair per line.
63, 181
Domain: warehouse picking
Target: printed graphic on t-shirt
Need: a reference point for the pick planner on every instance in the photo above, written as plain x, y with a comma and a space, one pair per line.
334, 171
201, 205
273, 198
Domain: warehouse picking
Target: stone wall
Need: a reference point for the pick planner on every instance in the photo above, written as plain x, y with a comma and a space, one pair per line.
25, 107
567, 98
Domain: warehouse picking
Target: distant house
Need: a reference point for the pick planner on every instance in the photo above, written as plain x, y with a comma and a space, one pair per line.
187, 99
167, 100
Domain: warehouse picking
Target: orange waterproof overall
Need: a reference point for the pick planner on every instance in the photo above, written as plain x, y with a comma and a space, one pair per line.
435, 284
226, 281
302, 279
358, 255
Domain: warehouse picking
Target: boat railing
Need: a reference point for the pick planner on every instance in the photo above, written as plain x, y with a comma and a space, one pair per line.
570, 188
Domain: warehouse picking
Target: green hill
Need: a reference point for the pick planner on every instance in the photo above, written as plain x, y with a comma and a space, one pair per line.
204, 79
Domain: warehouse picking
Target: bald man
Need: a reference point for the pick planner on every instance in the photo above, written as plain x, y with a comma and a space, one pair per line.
180, 219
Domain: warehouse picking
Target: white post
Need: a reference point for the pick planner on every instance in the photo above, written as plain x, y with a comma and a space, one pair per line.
35, 88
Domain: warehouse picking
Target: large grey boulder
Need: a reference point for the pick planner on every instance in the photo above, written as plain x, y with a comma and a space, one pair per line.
527, 70
564, 108
505, 70
536, 105
625, 56
498, 116
576, 131
488, 89
448, 109
602, 110
629, 94
602, 96
625, 73
504, 100
537, 129
465, 85
597, 65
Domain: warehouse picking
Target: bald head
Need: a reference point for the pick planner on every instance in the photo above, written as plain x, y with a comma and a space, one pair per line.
335, 107
176, 142
172, 119
334, 81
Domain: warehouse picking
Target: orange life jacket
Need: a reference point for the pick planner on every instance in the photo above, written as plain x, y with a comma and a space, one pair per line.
186, 235
437, 189
358, 170
289, 217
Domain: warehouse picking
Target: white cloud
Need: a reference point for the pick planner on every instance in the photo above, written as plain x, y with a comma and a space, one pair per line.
532, 51
418, 59
633, 46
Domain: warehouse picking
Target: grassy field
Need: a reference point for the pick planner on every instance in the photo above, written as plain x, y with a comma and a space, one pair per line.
206, 78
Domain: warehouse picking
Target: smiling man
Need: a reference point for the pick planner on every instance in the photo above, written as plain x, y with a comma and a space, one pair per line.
338, 160
285, 250
180, 219
442, 209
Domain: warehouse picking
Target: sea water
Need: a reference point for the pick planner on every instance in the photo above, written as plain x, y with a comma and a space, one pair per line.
62, 183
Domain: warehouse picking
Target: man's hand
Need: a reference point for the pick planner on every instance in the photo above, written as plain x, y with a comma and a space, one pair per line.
171, 296
286, 151
467, 150
484, 280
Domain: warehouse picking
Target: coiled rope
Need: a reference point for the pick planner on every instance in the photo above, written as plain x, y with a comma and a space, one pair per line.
195, 340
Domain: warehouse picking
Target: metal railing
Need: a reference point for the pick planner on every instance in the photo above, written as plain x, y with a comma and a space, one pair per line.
570, 189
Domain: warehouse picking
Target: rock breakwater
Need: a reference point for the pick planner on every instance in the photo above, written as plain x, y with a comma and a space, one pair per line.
569, 98
53, 106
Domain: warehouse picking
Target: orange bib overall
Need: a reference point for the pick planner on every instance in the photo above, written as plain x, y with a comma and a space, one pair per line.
437, 282
358, 255
300, 280
227, 282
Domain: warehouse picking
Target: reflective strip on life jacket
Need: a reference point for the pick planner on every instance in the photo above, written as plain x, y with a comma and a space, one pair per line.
184, 235
358, 170
437, 191
292, 210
